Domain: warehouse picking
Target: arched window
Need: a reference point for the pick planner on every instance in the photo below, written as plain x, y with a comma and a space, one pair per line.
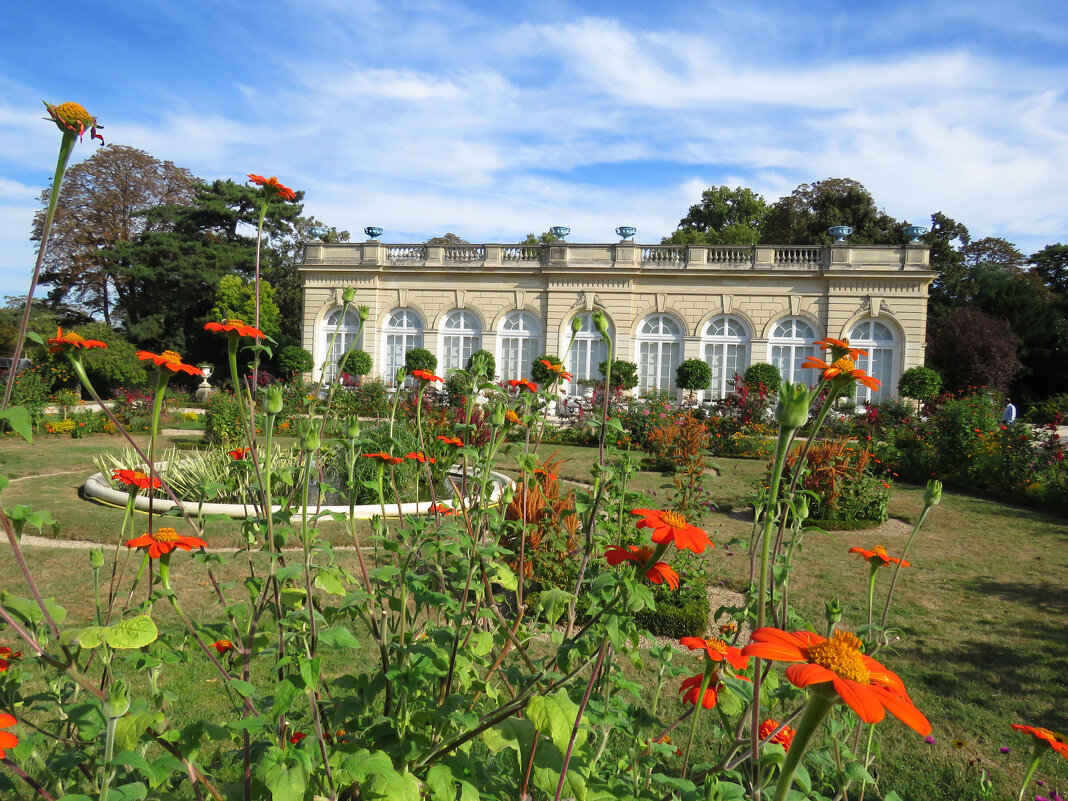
519, 343
725, 348
402, 332
881, 362
789, 345
461, 335
586, 354
346, 338
659, 341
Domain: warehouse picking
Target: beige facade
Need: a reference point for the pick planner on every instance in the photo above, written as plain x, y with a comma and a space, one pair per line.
731, 306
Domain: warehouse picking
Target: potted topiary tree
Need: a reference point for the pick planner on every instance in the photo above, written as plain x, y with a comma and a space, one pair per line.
693, 375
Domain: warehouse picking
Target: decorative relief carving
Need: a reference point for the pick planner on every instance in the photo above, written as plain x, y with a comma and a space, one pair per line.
461, 298
402, 297
661, 302
520, 298
727, 301
795, 305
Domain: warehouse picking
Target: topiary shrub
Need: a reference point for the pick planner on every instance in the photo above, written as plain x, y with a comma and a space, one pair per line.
919, 383
488, 363
624, 374
293, 359
420, 359
763, 373
679, 613
693, 375
542, 374
355, 362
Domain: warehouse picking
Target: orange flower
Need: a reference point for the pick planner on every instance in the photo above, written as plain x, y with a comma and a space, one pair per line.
297, 736
73, 118
844, 368
512, 417
7, 656
239, 453
840, 348
864, 685
426, 375
692, 686
222, 646
235, 327
422, 458
728, 628
273, 187
670, 527
717, 650
541, 471
7, 739
1057, 741
660, 573
441, 509
72, 341
384, 457
783, 738
164, 540
170, 360
451, 440
556, 368
878, 556
522, 383
135, 478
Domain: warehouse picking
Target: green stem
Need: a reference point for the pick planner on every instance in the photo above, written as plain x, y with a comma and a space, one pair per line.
871, 588
897, 568
818, 707
109, 753
697, 707
1036, 755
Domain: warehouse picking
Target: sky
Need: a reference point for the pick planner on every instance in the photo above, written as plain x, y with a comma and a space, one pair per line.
492, 120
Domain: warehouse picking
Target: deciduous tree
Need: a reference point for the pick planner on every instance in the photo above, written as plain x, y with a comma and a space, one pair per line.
725, 216
803, 217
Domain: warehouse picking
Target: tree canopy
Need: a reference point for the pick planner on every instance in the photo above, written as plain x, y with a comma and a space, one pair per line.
803, 217
725, 216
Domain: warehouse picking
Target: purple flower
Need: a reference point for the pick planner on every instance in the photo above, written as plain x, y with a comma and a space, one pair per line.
929, 739
1005, 749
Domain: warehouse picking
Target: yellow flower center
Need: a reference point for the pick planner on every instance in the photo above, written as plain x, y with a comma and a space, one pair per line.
880, 550
841, 655
235, 321
716, 644
673, 519
166, 534
73, 338
171, 357
644, 555
845, 364
138, 475
74, 112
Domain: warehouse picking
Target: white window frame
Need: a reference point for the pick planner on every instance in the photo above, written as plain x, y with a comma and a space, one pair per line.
881, 361
460, 335
587, 353
520, 340
344, 341
725, 349
402, 332
658, 346
789, 345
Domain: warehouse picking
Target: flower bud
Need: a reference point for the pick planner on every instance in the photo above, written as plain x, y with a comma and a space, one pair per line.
348, 294
801, 507
932, 496
600, 322
497, 415
792, 410
96, 558
507, 495
352, 428
364, 311
117, 702
832, 611
309, 437
274, 399
576, 324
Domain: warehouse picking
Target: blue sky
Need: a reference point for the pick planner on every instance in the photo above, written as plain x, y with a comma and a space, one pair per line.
495, 119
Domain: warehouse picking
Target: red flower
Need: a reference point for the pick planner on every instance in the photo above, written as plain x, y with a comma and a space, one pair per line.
7, 656
541, 471
717, 650
73, 118
296, 737
844, 368
426, 375
840, 348
868, 688
451, 440
170, 360
72, 341
384, 457
660, 573
556, 368
672, 527
222, 646
441, 509
1058, 742
783, 738
273, 187
164, 540
422, 458
239, 453
878, 556
692, 686
135, 478
7, 739
522, 383
235, 327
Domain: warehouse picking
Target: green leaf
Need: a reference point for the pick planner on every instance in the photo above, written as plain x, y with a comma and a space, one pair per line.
440, 782
503, 575
33, 336
553, 603
338, 637
514, 733
134, 632
243, 688
28, 610
286, 778
19, 419
330, 582
89, 637
391, 785
128, 729
546, 774
857, 772
285, 693
554, 716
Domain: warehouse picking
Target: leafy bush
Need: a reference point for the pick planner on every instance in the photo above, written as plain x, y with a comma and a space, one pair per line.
293, 360
682, 613
693, 375
541, 374
1053, 409
32, 391
763, 373
117, 364
839, 476
919, 383
370, 398
356, 362
420, 359
624, 374
488, 362
222, 420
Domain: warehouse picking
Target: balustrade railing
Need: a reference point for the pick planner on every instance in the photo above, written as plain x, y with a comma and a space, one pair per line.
799, 256
465, 253
521, 253
406, 253
730, 254
663, 254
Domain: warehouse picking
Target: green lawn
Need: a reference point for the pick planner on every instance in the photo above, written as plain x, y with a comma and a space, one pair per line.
981, 611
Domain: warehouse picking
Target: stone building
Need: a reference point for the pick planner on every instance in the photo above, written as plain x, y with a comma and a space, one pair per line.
729, 305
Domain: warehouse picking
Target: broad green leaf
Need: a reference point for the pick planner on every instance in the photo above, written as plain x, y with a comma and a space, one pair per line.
284, 774
553, 603
546, 774
503, 575
338, 637
285, 692
554, 716
134, 632
330, 582
391, 786
857, 772
440, 782
89, 637
18, 417
514, 733
128, 729
28, 610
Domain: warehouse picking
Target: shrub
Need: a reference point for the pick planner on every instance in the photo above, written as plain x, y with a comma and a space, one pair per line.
763, 373
293, 360
358, 362
114, 366
682, 613
222, 421
693, 375
1052, 410
489, 364
420, 359
31, 390
367, 399
919, 383
542, 374
624, 374
838, 473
